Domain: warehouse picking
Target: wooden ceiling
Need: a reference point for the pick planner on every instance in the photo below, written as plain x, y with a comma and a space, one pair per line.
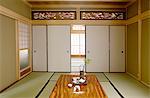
79, 3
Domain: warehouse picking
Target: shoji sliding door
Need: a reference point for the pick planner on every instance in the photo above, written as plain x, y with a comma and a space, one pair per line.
24, 48
97, 48
117, 48
59, 48
39, 48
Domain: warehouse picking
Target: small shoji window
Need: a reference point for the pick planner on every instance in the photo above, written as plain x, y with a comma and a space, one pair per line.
78, 27
24, 35
24, 44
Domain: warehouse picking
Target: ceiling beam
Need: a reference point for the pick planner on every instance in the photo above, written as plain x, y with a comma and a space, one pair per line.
79, 3
77, 6
86, 0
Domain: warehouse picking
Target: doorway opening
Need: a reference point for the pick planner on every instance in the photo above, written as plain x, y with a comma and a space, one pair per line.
77, 47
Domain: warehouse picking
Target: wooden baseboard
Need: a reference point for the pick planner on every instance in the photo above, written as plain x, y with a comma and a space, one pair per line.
14, 82
9, 86
146, 84
132, 76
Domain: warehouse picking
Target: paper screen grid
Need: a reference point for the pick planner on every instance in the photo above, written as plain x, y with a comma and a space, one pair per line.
23, 35
78, 44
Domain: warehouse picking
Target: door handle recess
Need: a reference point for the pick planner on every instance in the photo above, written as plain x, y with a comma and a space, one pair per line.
67, 51
88, 51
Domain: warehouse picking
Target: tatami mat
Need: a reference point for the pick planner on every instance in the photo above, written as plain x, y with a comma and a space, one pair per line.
127, 86
109, 90
48, 89
57, 75
100, 76
28, 87
107, 87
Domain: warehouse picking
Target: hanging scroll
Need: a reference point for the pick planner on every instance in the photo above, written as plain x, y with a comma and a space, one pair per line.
102, 15
53, 15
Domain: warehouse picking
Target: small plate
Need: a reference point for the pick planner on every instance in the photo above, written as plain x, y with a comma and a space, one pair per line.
82, 80
77, 80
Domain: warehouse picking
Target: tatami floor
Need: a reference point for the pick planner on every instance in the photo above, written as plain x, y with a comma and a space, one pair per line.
40, 85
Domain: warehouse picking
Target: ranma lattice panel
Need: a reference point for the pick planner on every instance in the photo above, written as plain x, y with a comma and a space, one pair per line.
102, 15
53, 15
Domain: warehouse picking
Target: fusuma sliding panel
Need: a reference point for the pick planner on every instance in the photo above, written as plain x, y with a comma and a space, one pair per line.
97, 48
117, 48
59, 48
132, 49
39, 48
145, 51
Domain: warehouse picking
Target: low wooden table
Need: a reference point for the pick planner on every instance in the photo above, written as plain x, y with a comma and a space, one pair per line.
92, 90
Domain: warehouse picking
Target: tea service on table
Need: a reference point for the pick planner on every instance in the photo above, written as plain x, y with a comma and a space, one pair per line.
76, 83
79, 81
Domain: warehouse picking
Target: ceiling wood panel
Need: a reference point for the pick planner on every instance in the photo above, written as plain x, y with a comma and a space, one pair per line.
79, 3
87, 0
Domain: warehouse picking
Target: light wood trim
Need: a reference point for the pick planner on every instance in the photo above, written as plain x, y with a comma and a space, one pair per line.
145, 15
23, 48
77, 56
17, 53
126, 37
78, 13
87, 0
141, 16
139, 40
132, 20
103, 9
9, 13
31, 47
139, 48
77, 6
130, 3
77, 31
25, 1
146, 84
132, 76
83, 22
